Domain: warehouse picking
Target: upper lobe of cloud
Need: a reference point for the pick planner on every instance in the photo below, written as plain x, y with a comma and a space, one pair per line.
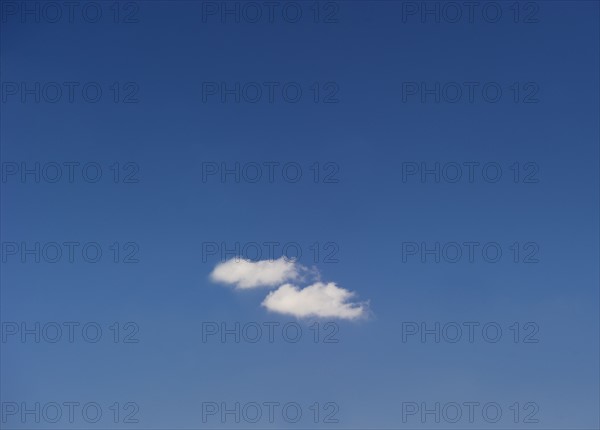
252, 274
317, 300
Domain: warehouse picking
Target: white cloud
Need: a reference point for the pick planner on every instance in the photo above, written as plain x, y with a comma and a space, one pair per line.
316, 300
246, 274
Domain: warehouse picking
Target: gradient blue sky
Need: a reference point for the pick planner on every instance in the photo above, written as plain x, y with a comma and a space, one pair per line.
369, 52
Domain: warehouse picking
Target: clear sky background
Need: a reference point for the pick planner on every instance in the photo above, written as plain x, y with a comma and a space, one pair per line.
367, 55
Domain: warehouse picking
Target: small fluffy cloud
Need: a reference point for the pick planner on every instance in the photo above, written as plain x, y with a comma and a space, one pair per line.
317, 300
246, 274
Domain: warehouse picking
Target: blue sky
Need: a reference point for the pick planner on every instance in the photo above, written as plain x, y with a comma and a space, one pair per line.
167, 126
